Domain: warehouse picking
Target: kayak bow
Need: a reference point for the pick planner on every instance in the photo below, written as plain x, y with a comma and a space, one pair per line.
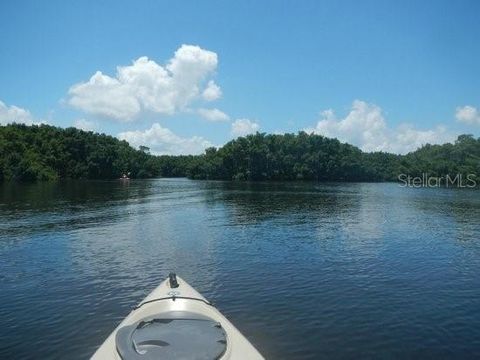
176, 322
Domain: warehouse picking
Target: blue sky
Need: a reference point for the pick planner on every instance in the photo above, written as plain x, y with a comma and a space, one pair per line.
384, 75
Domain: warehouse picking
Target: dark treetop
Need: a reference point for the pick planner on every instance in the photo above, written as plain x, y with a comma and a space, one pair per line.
47, 153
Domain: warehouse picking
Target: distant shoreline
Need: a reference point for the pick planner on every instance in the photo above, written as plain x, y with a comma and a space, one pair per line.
46, 153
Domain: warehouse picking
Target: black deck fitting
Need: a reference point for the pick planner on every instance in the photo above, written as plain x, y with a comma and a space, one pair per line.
173, 280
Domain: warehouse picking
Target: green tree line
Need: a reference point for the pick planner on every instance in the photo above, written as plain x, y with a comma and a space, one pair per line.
43, 152
292, 157
47, 153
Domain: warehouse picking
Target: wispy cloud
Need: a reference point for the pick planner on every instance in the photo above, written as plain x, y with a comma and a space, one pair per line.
468, 115
85, 125
242, 127
213, 115
14, 114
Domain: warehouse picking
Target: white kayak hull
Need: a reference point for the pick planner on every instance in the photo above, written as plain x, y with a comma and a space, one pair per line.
166, 300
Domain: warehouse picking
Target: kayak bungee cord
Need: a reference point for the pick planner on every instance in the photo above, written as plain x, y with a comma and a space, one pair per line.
173, 298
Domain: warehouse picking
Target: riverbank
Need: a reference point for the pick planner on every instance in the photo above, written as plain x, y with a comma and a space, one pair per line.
39, 153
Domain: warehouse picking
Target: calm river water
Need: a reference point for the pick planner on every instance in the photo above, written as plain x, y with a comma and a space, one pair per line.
304, 270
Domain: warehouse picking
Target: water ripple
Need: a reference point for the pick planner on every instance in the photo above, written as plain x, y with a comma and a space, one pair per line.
305, 270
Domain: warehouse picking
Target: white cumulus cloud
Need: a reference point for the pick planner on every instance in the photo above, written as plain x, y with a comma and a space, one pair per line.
146, 85
242, 127
106, 96
161, 141
14, 114
212, 91
366, 127
213, 115
85, 125
468, 115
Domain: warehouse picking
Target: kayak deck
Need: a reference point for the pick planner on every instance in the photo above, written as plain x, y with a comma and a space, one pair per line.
175, 321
